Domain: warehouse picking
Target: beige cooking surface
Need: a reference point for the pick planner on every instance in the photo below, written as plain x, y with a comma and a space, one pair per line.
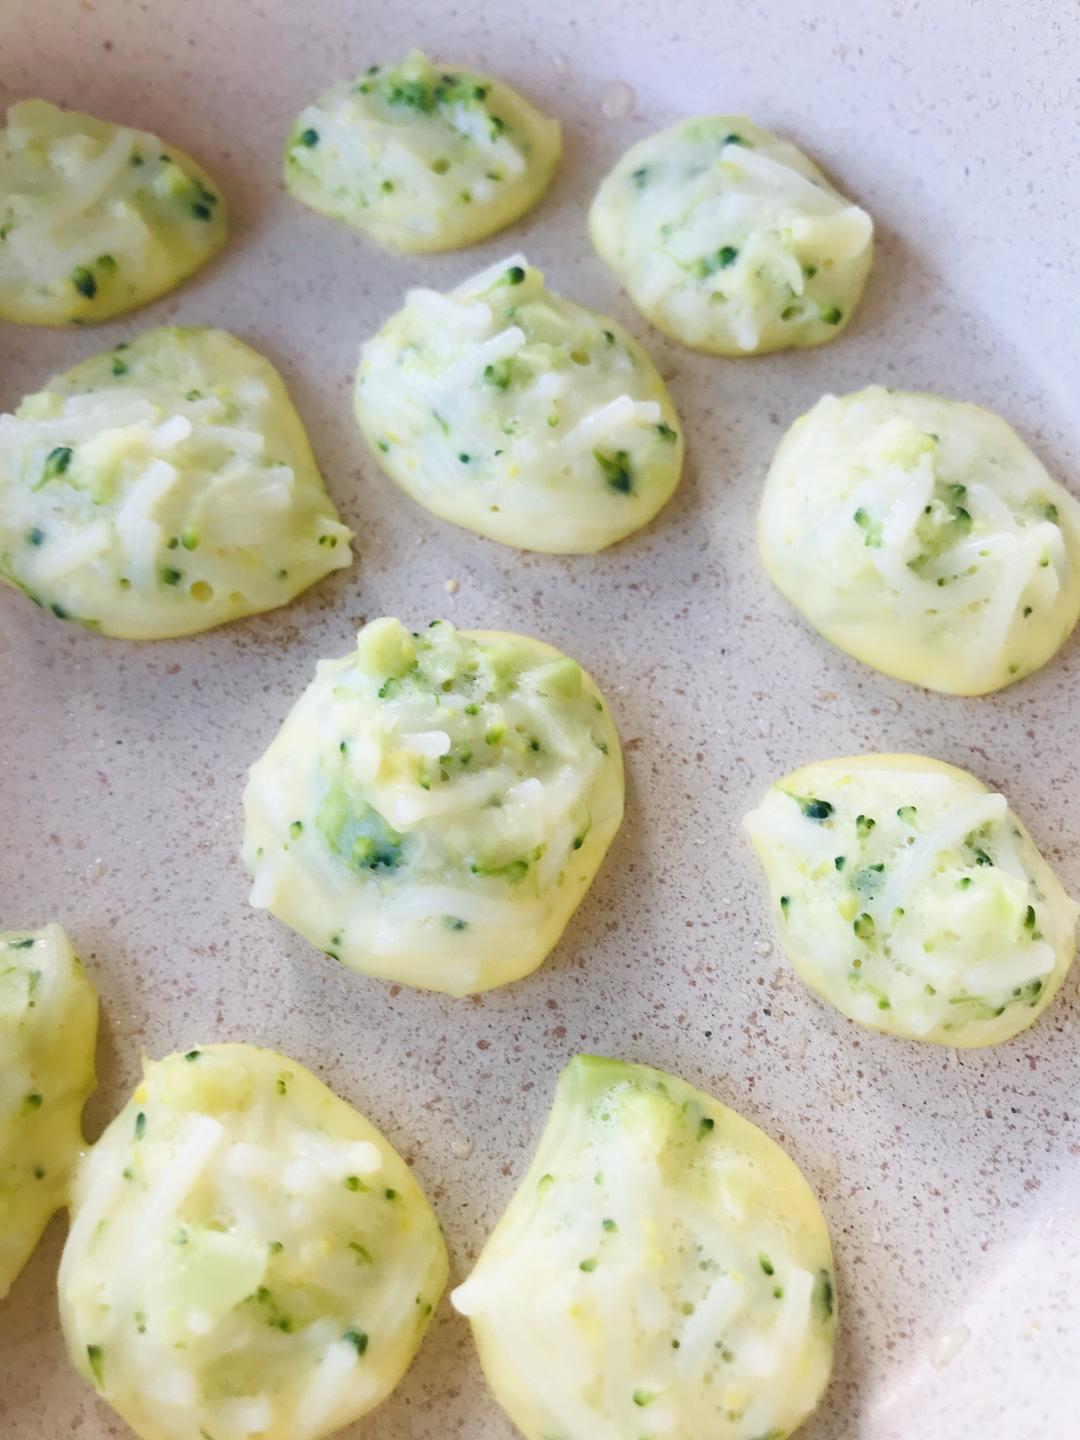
950, 1181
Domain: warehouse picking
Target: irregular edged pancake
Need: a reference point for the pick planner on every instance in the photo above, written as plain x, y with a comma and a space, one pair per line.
912, 898
922, 536
96, 218
732, 240
508, 410
422, 156
48, 1031
164, 487
436, 805
663, 1271
248, 1256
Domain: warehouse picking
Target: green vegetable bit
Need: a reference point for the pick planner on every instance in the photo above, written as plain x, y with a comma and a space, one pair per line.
513, 873
863, 925
96, 1359
413, 94
498, 374
202, 206
357, 832
816, 809
720, 259
823, 1292
84, 281
616, 470
56, 462
868, 881
871, 528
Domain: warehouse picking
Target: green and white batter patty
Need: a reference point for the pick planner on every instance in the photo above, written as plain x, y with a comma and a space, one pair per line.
422, 156
435, 805
912, 898
164, 487
662, 1273
922, 536
732, 240
96, 218
249, 1259
48, 1032
508, 410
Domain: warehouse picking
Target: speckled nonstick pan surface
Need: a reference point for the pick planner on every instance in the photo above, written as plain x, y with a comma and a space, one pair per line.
950, 1180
